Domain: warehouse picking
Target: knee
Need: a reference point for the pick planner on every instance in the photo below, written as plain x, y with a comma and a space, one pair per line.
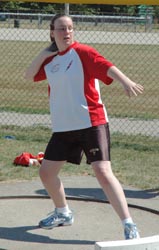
43, 173
49, 170
103, 171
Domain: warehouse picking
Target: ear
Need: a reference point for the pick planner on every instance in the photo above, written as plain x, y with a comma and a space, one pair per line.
52, 35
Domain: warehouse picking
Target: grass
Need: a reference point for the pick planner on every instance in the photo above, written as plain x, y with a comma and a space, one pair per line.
134, 158
137, 61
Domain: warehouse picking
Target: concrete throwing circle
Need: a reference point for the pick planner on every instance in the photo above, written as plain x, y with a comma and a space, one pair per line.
94, 222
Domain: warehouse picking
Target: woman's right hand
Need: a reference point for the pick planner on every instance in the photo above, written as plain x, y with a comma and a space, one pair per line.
37, 62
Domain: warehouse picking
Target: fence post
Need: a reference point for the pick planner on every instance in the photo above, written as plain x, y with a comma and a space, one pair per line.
16, 23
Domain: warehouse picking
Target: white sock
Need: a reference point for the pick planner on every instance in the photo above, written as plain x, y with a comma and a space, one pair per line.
63, 210
127, 220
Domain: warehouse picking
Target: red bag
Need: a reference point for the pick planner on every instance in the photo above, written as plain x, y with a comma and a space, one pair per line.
27, 159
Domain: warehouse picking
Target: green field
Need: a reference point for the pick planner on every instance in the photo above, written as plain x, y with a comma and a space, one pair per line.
137, 61
134, 158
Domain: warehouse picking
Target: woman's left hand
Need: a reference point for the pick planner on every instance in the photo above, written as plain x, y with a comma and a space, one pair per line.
132, 88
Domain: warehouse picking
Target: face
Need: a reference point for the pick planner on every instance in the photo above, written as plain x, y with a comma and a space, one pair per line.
63, 32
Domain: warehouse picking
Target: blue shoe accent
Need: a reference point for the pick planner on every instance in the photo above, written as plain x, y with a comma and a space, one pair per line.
56, 219
131, 232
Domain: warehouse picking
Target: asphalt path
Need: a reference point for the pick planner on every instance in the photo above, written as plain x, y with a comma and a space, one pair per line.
100, 37
122, 125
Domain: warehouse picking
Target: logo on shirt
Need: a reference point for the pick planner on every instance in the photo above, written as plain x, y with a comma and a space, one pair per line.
55, 68
69, 65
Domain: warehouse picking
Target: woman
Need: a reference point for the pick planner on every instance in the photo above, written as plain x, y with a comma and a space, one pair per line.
79, 119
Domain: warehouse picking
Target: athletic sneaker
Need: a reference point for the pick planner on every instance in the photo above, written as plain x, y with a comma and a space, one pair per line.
56, 219
131, 231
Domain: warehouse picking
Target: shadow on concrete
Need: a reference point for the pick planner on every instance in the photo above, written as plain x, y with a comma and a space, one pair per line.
97, 193
23, 234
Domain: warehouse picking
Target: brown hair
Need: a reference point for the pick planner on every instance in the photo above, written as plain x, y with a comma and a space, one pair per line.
55, 18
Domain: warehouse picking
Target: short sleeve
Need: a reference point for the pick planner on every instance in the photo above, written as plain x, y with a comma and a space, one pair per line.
41, 75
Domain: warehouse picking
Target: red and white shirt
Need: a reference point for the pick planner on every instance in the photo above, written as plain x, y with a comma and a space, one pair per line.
75, 101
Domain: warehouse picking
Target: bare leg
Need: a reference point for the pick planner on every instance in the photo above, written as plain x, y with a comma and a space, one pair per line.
49, 176
111, 188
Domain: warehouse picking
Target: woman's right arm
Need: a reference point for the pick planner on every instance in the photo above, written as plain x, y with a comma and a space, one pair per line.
33, 69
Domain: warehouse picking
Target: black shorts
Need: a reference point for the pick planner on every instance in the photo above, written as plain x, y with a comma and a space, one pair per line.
70, 146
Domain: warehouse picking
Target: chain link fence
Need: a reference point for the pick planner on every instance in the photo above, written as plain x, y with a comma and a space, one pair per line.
131, 43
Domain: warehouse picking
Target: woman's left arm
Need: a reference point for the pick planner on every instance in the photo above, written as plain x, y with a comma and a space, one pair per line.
130, 87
